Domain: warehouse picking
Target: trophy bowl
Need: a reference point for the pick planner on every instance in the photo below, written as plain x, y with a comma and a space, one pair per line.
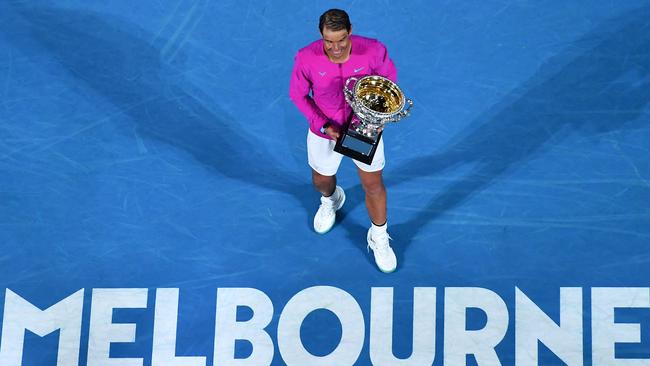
375, 101
379, 96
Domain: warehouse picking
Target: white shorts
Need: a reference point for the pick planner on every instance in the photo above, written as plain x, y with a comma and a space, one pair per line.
325, 161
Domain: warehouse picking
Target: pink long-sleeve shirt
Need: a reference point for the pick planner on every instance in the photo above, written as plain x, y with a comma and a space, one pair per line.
316, 85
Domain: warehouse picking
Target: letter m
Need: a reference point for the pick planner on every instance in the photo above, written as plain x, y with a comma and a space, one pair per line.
20, 315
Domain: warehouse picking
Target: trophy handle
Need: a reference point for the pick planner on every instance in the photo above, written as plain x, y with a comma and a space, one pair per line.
346, 90
406, 111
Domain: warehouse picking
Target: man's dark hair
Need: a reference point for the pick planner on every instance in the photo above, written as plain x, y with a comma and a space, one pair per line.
334, 20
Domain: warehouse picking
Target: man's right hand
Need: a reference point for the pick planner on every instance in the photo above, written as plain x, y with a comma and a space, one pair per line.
332, 131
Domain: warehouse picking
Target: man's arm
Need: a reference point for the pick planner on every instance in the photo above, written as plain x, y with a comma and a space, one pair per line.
299, 89
384, 66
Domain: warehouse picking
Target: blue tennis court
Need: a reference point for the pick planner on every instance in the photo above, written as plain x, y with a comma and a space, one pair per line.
156, 202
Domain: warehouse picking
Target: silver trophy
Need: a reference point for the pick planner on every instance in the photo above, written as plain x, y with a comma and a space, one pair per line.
375, 101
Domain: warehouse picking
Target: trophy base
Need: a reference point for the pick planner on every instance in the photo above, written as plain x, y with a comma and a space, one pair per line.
357, 146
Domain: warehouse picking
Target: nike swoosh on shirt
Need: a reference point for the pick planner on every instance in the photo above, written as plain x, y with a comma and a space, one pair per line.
322, 73
359, 69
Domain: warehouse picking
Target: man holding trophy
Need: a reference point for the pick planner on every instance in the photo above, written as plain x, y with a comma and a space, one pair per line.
344, 121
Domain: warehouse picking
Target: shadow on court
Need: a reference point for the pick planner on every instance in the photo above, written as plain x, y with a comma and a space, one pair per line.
597, 85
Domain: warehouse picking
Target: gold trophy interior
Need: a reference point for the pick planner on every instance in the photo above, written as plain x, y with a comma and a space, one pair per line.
379, 95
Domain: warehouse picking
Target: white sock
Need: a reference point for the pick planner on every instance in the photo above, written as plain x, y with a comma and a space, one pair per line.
379, 230
334, 197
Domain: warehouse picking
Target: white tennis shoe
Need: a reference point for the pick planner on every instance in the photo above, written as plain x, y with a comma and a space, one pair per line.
384, 254
326, 214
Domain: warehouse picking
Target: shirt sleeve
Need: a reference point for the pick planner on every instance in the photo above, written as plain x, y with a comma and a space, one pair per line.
299, 89
384, 66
